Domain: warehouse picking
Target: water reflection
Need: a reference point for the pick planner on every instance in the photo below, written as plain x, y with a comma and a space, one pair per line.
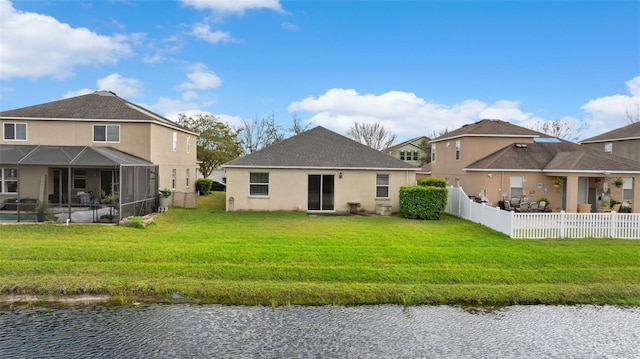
192, 331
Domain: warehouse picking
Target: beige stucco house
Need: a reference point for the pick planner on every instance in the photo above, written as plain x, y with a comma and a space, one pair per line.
499, 160
316, 171
83, 147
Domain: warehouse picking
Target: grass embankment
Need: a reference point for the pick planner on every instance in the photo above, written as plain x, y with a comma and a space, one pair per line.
257, 258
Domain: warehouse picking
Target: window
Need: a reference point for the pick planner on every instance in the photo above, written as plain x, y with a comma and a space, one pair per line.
259, 183
173, 178
415, 155
433, 152
188, 144
106, 133
457, 149
627, 188
187, 178
8, 180
175, 141
516, 186
608, 147
15, 131
79, 179
402, 155
382, 186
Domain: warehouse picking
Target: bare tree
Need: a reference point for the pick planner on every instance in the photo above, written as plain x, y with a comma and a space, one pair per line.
257, 134
374, 135
298, 127
570, 130
632, 116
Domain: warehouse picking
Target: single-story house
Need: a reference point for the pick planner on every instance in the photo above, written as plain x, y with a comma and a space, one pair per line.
317, 171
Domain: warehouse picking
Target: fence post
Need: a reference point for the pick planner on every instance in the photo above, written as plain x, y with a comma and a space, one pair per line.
613, 226
512, 218
563, 223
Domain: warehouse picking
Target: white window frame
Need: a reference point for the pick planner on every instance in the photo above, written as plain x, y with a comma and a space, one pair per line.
106, 134
516, 182
187, 175
382, 182
173, 178
4, 180
188, 144
175, 141
433, 153
15, 132
415, 155
254, 184
627, 189
608, 147
457, 150
79, 175
402, 155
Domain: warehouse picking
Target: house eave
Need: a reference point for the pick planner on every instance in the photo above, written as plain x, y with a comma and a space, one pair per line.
324, 168
482, 135
611, 140
600, 172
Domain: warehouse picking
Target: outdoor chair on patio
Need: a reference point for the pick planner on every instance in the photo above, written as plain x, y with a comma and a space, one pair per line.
534, 207
524, 207
542, 206
515, 202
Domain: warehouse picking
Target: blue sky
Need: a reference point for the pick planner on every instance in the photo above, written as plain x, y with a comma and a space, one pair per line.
418, 67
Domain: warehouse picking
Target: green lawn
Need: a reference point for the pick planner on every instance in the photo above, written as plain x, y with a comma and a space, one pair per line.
282, 258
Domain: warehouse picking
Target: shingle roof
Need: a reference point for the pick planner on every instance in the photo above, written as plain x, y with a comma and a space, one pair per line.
100, 105
629, 132
320, 148
558, 156
66, 155
494, 128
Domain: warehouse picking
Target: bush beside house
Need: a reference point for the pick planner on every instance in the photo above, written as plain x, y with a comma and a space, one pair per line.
423, 202
203, 185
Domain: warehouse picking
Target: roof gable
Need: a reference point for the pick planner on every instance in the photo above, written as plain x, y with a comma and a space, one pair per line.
415, 142
549, 156
491, 128
99, 105
319, 148
629, 132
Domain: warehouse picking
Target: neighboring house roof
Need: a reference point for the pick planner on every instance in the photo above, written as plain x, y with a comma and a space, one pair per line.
320, 148
629, 132
426, 169
97, 106
490, 128
557, 156
414, 141
85, 156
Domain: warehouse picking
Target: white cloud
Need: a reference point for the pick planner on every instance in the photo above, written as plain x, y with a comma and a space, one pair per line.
289, 26
26, 36
122, 86
234, 6
203, 32
402, 112
201, 78
608, 112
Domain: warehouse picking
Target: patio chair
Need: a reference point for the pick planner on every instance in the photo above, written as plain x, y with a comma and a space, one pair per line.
515, 202
524, 207
534, 207
542, 206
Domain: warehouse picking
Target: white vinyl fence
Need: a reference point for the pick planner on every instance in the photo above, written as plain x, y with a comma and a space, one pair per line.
544, 225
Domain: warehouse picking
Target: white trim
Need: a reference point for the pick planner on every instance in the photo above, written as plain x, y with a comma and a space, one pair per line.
482, 135
611, 140
26, 131
323, 168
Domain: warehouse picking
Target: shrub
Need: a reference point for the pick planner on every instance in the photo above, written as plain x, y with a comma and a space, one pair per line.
203, 185
421, 202
432, 182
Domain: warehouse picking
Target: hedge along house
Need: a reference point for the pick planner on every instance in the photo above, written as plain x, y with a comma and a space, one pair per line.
93, 144
316, 171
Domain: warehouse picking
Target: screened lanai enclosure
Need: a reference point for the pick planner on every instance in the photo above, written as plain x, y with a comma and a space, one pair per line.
78, 183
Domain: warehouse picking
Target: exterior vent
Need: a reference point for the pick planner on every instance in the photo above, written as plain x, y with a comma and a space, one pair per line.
521, 145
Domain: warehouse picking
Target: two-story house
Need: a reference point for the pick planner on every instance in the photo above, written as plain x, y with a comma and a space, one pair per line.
85, 147
624, 142
414, 151
498, 160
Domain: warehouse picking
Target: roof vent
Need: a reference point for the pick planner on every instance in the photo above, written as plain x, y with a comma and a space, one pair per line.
521, 145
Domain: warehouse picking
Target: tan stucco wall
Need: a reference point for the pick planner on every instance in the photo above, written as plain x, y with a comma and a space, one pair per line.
628, 149
148, 141
288, 189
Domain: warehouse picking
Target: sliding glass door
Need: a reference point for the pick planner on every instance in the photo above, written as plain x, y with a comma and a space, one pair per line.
321, 189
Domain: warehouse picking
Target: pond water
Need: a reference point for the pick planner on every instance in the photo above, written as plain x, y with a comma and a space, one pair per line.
388, 331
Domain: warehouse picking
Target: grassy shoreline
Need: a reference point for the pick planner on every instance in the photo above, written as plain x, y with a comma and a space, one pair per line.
273, 259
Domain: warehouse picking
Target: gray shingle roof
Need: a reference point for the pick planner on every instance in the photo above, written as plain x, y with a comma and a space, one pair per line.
491, 128
319, 148
630, 132
100, 105
560, 156
66, 155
